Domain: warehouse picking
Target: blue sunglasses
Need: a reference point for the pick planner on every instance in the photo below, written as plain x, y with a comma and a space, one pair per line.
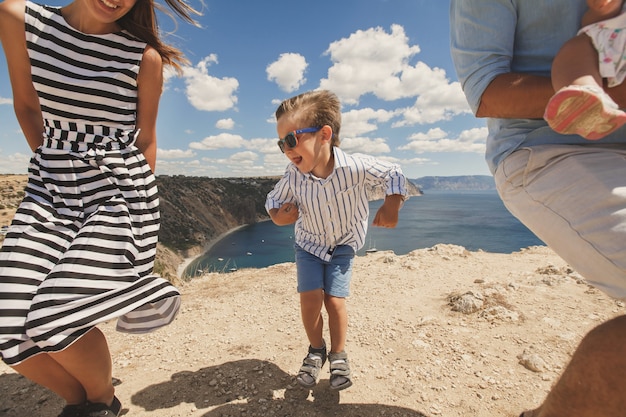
291, 139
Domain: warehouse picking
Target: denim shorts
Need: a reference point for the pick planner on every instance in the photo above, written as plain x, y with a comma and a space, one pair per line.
333, 277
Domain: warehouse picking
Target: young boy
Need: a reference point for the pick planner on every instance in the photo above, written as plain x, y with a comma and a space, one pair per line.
323, 192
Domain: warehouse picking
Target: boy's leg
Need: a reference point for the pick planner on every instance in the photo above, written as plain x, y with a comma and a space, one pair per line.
340, 374
337, 284
310, 309
337, 322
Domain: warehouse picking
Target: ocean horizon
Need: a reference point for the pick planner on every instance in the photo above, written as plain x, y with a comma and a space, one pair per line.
476, 220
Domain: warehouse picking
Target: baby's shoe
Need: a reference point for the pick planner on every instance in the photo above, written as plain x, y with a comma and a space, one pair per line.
583, 110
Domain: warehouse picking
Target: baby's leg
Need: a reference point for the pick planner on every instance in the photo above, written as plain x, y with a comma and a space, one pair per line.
580, 105
576, 64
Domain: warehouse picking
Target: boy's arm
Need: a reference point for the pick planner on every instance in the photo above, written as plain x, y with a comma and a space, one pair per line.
284, 215
387, 214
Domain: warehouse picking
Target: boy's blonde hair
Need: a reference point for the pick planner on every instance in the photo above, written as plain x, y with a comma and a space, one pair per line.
314, 109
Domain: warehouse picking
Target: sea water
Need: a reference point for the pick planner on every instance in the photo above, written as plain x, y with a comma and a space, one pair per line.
472, 219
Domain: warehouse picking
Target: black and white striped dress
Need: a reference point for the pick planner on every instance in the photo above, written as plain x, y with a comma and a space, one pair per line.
81, 247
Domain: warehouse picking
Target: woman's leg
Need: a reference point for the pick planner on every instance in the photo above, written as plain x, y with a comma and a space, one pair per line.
88, 360
43, 370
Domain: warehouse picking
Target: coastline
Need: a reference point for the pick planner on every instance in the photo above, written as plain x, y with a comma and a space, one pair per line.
187, 261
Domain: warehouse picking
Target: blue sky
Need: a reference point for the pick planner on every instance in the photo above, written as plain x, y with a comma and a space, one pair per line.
387, 60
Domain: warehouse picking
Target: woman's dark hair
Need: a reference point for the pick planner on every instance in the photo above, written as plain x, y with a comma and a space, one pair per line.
141, 22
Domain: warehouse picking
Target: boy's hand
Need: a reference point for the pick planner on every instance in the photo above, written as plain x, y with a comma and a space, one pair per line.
286, 214
387, 214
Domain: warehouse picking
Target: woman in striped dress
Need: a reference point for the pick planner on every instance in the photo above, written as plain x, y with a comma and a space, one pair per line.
86, 82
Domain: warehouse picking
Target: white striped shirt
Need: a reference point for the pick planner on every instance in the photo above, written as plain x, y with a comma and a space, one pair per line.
335, 210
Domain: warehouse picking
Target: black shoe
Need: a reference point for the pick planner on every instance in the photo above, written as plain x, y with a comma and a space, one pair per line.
103, 410
73, 410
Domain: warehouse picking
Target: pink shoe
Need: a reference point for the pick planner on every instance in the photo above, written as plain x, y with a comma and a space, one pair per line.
583, 110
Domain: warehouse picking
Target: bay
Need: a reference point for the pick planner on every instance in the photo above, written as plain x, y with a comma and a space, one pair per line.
472, 219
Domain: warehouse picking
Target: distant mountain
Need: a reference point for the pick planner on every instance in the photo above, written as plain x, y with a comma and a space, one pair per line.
456, 183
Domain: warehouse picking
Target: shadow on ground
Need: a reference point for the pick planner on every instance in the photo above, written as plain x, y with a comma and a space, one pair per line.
251, 388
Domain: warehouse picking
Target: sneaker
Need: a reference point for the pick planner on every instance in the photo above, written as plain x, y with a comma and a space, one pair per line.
584, 110
72, 410
103, 410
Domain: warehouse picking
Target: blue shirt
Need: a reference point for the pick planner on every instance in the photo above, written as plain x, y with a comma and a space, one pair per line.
493, 37
334, 211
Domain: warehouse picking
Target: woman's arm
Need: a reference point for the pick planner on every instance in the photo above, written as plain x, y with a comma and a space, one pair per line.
149, 88
25, 100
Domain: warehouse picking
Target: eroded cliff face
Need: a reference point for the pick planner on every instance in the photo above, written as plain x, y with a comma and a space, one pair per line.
196, 210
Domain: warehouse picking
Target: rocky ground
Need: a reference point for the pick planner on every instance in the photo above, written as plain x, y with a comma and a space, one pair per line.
436, 332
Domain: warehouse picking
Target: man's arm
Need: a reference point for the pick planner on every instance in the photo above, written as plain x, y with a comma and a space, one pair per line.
514, 95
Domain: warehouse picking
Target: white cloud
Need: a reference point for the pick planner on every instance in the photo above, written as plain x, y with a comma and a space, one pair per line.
225, 124
5, 101
436, 140
168, 73
222, 140
370, 61
377, 62
209, 93
442, 102
263, 145
16, 163
174, 153
287, 71
357, 122
365, 145
243, 157
475, 135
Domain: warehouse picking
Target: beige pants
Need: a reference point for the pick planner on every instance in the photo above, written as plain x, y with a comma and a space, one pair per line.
574, 199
